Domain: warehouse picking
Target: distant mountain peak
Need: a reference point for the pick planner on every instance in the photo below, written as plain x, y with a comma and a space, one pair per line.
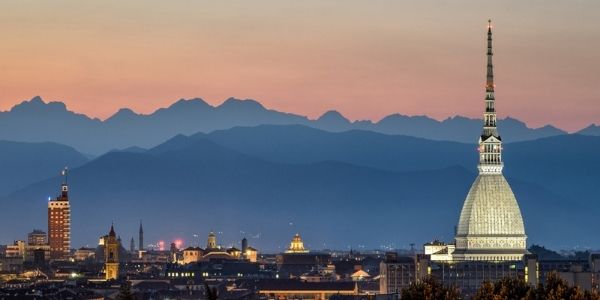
333, 115
238, 103
37, 104
126, 112
393, 118
122, 114
37, 99
187, 103
592, 129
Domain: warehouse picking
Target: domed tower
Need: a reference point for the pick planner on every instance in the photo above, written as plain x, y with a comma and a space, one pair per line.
297, 245
111, 255
212, 241
490, 227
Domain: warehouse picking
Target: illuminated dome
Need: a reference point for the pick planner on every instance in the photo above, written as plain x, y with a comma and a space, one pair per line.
490, 225
296, 246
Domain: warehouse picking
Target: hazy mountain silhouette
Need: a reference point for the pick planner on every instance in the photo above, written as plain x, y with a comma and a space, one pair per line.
26, 163
195, 184
565, 164
37, 121
301, 144
593, 129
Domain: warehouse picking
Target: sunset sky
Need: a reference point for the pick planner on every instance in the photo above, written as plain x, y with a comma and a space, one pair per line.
366, 59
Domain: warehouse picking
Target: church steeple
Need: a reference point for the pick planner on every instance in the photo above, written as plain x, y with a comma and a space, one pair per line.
490, 143
141, 238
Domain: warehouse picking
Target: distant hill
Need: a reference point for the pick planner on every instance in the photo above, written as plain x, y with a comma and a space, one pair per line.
38, 121
22, 164
337, 189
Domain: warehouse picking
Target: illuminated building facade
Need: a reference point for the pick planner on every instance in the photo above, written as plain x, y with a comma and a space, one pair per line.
59, 223
298, 260
37, 237
297, 245
37, 246
192, 255
111, 255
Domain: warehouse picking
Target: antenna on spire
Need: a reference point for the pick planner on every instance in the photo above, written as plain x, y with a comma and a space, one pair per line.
64, 189
64, 173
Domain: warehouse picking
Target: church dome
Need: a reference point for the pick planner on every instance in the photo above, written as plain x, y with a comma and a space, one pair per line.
490, 209
297, 245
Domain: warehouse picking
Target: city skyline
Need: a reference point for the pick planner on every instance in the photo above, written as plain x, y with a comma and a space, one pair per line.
321, 56
363, 150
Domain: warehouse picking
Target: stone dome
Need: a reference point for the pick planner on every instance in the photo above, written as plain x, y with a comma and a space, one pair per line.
490, 209
490, 225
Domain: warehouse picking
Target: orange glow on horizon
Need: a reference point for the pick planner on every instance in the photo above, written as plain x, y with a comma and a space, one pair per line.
365, 59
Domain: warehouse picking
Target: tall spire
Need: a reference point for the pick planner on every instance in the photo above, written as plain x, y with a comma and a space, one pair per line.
141, 238
112, 230
490, 143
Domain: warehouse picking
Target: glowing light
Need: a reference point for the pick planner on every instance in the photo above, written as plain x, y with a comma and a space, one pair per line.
178, 243
161, 245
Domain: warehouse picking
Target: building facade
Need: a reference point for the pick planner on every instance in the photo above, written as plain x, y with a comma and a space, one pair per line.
37, 237
396, 273
111, 255
59, 223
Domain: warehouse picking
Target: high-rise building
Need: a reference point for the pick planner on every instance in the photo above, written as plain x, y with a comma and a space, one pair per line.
59, 222
111, 255
490, 227
141, 238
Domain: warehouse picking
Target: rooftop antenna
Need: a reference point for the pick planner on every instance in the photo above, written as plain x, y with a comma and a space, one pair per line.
65, 173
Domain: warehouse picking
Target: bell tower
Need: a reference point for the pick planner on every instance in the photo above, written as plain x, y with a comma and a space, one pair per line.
111, 255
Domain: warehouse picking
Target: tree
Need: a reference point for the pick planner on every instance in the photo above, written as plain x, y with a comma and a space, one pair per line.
506, 288
556, 288
125, 292
429, 289
211, 294
486, 292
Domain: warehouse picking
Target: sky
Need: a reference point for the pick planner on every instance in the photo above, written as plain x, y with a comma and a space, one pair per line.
366, 59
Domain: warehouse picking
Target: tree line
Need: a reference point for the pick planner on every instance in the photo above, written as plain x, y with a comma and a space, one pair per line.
554, 288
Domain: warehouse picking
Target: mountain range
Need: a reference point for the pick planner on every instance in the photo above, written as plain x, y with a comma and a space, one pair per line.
338, 189
38, 121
